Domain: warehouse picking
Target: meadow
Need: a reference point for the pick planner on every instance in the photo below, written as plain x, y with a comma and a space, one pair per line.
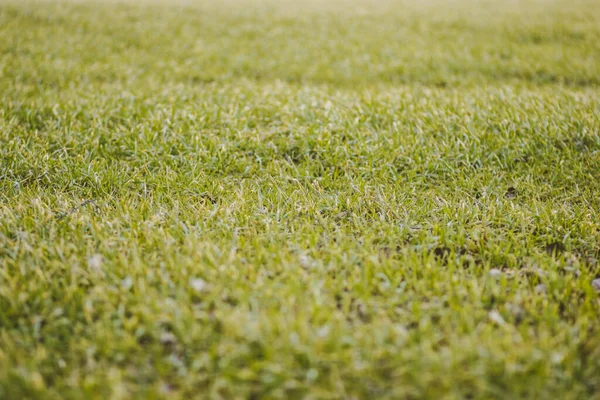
299, 199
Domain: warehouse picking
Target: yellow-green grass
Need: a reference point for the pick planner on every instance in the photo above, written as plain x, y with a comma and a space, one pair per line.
280, 199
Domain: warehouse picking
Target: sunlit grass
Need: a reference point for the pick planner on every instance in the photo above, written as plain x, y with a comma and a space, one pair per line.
250, 199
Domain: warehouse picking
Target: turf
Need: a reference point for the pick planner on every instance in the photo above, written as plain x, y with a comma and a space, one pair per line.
280, 199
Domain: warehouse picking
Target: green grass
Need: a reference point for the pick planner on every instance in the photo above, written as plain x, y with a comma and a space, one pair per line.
280, 199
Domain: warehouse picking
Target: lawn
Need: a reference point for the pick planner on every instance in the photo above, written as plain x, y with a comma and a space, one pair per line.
299, 199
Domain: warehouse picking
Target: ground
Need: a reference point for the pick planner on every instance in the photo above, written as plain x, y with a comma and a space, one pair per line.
283, 199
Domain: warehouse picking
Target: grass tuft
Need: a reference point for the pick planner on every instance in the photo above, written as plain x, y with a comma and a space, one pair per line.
281, 199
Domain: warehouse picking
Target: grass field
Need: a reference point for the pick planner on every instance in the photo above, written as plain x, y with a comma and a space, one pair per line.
314, 199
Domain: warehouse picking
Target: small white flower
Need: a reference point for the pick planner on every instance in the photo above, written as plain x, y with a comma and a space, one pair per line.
323, 331
306, 262
127, 283
496, 318
95, 262
495, 273
198, 284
